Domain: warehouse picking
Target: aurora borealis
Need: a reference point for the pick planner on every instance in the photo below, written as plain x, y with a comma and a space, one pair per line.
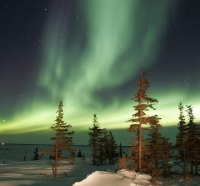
88, 54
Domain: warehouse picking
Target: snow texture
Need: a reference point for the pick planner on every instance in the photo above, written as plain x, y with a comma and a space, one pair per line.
121, 178
18, 169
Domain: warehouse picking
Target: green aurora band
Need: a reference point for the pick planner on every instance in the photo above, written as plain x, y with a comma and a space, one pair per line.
103, 48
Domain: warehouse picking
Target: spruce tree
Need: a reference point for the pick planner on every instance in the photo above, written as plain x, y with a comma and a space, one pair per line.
165, 148
112, 146
107, 147
103, 147
62, 137
181, 140
94, 140
154, 148
140, 119
158, 150
192, 144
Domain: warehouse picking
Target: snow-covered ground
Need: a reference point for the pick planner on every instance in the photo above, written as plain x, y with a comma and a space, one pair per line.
121, 178
14, 171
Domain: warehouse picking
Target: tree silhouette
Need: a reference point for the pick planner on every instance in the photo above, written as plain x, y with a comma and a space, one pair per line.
103, 144
193, 139
157, 150
62, 138
112, 146
181, 140
94, 140
36, 155
154, 148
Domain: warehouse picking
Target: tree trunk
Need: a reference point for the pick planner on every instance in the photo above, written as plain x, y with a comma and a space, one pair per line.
140, 148
56, 160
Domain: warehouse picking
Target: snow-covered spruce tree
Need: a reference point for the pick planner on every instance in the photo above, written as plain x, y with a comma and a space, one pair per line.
181, 140
192, 144
140, 119
95, 134
62, 138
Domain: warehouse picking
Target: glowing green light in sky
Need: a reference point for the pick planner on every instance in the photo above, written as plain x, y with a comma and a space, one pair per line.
120, 38
105, 46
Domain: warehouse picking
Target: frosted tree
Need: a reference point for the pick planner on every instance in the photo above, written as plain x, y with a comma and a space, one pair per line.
140, 121
62, 138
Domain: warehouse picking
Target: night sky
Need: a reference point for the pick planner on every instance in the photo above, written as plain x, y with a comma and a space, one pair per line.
89, 53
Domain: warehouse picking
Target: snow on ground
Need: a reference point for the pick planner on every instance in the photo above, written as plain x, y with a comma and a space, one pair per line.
39, 173
14, 171
30, 173
121, 178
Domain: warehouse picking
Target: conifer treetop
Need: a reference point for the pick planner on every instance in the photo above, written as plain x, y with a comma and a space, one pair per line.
190, 114
142, 86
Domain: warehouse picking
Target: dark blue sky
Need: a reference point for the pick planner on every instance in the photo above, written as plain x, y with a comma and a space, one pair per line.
89, 53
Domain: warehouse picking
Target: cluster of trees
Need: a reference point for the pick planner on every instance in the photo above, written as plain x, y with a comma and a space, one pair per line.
152, 155
103, 144
188, 142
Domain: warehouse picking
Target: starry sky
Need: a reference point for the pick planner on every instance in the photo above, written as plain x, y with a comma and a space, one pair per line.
89, 53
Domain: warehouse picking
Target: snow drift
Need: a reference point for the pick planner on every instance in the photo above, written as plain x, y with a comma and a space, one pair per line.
121, 178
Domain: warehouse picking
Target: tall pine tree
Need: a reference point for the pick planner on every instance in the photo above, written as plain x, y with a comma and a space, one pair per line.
140, 119
62, 138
